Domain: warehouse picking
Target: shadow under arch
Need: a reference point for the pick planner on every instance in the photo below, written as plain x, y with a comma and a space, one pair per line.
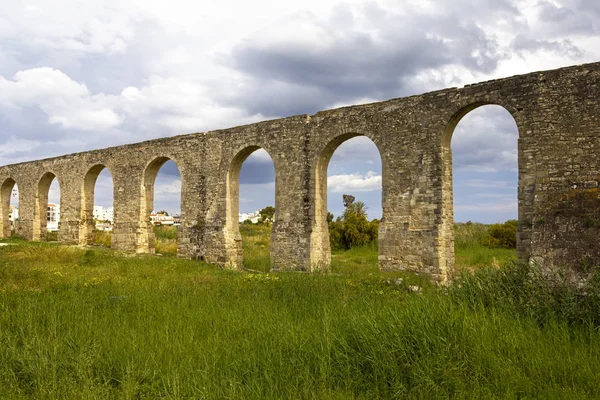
320, 248
446, 249
5, 194
233, 237
87, 225
40, 220
145, 237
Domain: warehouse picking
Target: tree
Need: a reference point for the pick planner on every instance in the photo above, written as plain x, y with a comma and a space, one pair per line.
329, 217
163, 212
267, 214
352, 229
359, 208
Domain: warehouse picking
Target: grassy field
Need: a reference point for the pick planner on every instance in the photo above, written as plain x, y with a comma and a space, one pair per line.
91, 323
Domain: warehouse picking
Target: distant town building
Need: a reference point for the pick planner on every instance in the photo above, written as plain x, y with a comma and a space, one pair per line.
53, 217
253, 216
104, 226
104, 214
161, 219
13, 216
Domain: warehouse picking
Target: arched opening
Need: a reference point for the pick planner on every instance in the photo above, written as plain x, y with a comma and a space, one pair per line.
251, 202
256, 209
9, 208
480, 151
47, 209
160, 208
97, 212
348, 203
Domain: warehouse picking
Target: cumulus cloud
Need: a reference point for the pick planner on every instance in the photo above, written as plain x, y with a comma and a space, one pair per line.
488, 184
354, 182
487, 207
358, 51
485, 140
63, 100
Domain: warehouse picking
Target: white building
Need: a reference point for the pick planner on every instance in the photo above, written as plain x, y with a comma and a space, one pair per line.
53, 217
13, 214
161, 219
104, 213
253, 216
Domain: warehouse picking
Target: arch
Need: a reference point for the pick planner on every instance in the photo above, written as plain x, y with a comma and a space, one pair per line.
5, 194
40, 221
146, 240
320, 249
87, 226
467, 108
446, 255
233, 237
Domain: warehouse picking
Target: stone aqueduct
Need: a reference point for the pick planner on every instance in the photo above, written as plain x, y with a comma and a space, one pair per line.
558, 118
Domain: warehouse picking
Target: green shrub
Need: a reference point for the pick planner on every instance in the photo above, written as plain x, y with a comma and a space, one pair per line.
165, 232
102, 238
502, 235
352, 230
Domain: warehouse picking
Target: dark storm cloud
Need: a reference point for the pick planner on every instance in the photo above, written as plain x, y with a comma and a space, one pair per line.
570, 17
169, 170
527, 43
349, 63
257, 172
485, 139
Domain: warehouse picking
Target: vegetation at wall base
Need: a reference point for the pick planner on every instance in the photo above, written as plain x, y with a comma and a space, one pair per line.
90, 323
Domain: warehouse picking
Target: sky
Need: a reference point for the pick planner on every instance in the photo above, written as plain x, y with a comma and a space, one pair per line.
78, 75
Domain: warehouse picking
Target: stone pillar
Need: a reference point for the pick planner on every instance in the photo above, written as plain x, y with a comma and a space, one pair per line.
27, 204
127, 184
70, 208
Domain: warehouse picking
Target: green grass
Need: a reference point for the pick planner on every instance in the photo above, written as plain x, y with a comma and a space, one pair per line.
78, 323
256, 242
92, 323
470, 253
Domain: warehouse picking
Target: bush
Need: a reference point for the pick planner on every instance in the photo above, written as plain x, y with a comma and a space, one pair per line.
352, 230
102, 238
502, 235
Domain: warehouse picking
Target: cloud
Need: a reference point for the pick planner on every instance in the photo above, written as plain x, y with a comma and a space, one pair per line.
168, 189
487, 207
64, 101
567, 17
488, 184
358, 51
354, 182
14, 146
485, 140
525, 43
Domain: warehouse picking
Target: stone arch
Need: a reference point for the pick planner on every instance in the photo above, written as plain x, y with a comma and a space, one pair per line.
145, 239
41, 204
86, 226
320, 249
5, 194
233, 238
446, 234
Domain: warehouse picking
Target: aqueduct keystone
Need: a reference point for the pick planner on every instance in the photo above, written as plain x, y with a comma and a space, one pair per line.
558, 118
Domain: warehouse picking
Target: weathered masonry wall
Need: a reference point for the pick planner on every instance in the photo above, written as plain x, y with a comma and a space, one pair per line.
558, 117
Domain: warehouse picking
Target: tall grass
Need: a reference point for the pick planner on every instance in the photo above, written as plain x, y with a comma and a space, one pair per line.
469, 249
78, 323
165, 240
256, 245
